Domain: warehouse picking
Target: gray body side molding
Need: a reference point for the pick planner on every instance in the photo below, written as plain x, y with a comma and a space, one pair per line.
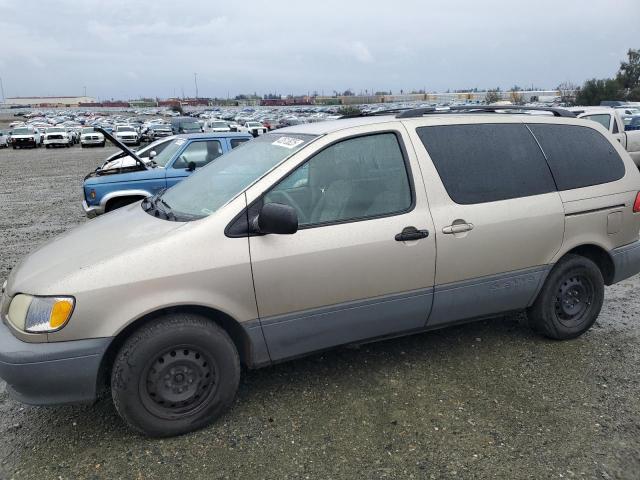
486, 296
301, 333
626, 261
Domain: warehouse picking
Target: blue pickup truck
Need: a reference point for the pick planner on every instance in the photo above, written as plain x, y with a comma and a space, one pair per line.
107, 189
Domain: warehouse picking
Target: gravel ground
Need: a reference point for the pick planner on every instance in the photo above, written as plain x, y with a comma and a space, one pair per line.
486, 400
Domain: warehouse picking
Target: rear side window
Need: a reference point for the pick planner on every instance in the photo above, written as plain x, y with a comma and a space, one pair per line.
487, 162
235, 142
578, 156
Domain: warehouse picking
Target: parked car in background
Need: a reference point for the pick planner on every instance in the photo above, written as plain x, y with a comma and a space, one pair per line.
216, 125
254, 128
27, 136
108, 189
611, 119
156, 131
4, 139
127, 134
89, 137
57, 137
185, 125
316, 236
634, 123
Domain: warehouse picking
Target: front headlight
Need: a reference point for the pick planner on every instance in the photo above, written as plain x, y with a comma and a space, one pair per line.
40, 314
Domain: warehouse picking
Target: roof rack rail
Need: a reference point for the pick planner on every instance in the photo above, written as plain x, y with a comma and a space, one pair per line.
388, 111
418, 112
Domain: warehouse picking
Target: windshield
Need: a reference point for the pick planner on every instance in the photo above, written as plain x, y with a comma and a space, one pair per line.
54, 130
126, 129
22, 131
87, 130
165, 156
219, 182
190, 127
219, 125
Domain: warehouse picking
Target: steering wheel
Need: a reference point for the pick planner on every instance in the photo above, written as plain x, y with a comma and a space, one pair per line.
301, 215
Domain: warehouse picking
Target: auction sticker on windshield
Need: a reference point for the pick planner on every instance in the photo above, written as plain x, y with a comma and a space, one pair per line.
288, 142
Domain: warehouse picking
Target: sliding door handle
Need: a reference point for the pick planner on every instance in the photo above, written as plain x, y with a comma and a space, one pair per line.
457, 228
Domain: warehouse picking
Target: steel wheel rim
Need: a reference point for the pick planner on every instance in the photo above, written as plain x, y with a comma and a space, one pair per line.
178, 382
573, 300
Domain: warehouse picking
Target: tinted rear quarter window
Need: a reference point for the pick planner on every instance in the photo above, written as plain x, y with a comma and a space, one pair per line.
481, 163
578, 156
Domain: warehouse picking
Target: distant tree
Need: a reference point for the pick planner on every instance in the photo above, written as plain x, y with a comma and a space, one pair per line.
347, 93
595, 90
516, 97
629, 73
177, 108
568, 91
493, 96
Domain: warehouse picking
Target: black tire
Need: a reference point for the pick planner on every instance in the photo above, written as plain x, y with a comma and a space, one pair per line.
570, 300
175, 375
47, 146
102, 144
14, 147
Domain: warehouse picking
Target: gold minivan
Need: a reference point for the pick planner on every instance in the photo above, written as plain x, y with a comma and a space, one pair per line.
320, 235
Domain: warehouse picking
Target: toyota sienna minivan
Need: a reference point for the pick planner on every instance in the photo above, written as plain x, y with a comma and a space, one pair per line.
321, 235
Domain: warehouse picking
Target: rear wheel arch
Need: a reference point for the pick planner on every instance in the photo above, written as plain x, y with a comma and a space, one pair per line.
599, 256
231, 326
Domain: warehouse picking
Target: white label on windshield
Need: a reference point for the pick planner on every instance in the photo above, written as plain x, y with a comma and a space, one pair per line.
288, 142
180, 141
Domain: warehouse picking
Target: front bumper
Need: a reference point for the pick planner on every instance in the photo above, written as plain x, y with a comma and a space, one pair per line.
57, 141
92, 211
626, 261
91, 141
127, 140
51, 373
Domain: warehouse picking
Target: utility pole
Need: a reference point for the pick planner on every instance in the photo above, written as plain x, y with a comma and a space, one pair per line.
85, 91
195, 80
2, 90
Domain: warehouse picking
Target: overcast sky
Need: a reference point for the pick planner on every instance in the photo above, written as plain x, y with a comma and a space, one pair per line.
126, 48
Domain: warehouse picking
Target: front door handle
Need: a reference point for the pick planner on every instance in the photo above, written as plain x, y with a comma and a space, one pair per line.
411, 233
457, 228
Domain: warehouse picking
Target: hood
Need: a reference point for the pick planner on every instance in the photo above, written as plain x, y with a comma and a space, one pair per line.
24, 135
50, 270
133, 175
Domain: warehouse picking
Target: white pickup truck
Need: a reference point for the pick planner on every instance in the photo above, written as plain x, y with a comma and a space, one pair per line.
611, 119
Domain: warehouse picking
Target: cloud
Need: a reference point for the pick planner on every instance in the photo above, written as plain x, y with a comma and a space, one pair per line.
360, 52
123, 49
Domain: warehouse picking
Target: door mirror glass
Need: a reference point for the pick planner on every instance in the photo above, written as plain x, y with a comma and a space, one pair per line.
152, 154
276, 218
191, 166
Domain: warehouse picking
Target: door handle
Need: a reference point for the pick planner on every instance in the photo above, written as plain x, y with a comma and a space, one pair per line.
457, 228
411, 233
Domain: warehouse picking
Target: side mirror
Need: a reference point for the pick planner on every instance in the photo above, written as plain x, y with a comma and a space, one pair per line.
276, 218
152, 154
191, 166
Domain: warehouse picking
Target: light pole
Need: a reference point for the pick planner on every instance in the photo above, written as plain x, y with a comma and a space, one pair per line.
195, 80
2, 90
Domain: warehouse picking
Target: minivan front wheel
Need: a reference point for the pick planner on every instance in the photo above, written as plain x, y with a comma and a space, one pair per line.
175, 375
570, 300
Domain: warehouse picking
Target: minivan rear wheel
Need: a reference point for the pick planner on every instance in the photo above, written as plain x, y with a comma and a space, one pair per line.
570, 300
175, 375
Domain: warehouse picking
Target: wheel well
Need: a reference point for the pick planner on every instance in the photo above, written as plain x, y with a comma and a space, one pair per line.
600, 257
122, 201
228, 324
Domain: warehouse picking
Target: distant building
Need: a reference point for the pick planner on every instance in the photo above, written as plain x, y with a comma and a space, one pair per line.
48, 101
